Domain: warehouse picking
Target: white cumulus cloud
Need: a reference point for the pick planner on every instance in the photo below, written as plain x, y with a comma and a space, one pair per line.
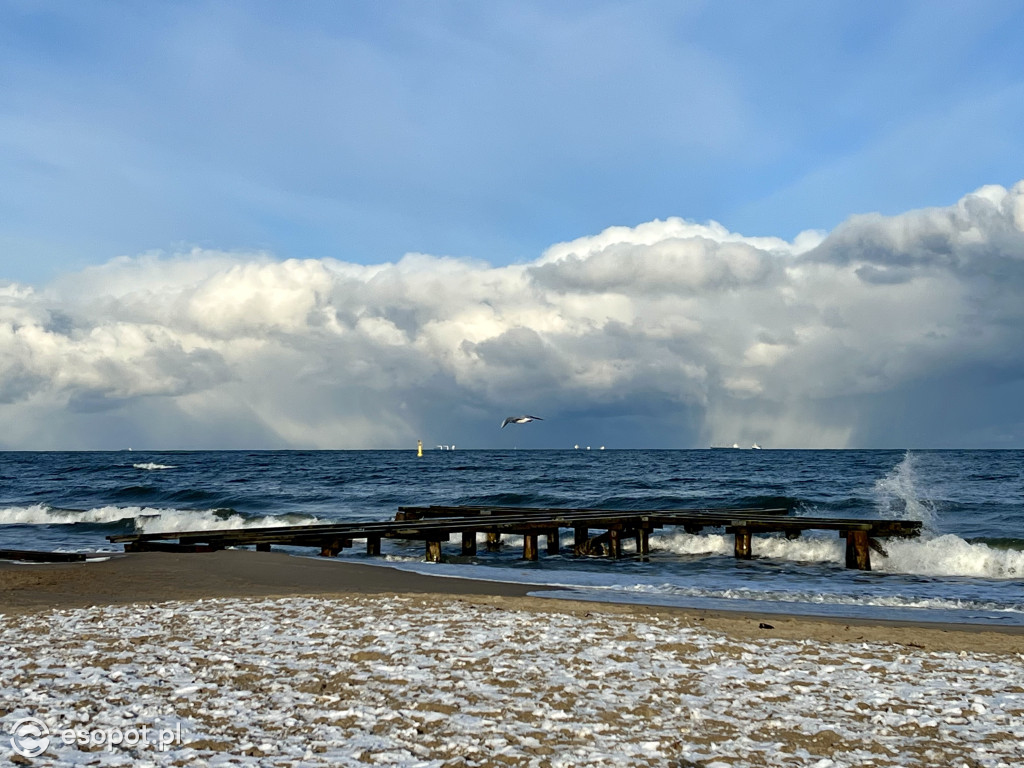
903, 330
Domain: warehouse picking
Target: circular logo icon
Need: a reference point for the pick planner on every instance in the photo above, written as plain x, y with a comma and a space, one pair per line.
30, 737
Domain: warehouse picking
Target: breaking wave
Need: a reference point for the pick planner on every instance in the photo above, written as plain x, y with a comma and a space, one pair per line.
897, 495
148, 519
947, 555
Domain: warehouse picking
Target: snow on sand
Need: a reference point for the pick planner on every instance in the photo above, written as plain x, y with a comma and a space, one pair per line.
417, 681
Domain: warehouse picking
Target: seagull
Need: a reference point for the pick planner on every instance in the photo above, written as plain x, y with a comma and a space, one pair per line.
519, 420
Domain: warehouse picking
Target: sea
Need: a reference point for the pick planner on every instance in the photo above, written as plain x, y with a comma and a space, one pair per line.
967, 567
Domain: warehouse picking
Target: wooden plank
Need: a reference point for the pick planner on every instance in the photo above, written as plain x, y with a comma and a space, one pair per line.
35, 556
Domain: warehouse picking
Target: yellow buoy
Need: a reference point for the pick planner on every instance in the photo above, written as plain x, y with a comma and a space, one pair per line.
419, 447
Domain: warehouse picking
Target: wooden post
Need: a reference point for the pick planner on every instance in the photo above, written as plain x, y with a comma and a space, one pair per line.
580, 536
614, 543
262, 547
858, 550
742, 546
793, 533
553, 542
433, 551
643, 543
469, 543
373, 545
530, 546
494, 542
330, 548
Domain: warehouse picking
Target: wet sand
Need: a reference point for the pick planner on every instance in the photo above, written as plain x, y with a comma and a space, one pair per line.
153, 577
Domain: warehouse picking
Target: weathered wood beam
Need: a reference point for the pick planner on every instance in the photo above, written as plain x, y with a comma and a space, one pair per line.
580, 536
530, 546
433, 547
553, 543
493, 542
373, 545
742, 544
858, 550
469, 543
643, 543
614, 543
330, 548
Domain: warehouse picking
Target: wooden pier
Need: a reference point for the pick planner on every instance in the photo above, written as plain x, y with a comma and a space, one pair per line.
435, 525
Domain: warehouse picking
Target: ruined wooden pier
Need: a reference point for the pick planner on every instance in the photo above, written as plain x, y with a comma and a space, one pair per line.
435, 525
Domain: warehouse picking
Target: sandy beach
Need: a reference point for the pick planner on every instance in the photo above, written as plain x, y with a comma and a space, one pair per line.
262, 658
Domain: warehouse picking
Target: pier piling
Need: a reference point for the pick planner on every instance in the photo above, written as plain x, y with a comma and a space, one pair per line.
530, 546
858, 550
742, 546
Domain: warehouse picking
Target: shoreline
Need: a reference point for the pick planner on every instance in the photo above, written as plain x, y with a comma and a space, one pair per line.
154, 577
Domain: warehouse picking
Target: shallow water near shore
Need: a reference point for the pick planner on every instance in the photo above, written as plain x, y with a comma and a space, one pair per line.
968, 567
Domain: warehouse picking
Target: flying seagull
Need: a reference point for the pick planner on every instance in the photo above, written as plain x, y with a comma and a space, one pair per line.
519, 420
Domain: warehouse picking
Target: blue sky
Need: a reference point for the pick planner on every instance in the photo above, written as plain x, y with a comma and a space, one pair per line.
362, 131
654, 224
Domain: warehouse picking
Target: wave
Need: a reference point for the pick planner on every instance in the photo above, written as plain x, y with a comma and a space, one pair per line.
149, 519
807, 549
947, 555
151, 466
897, 495
818, 598
950, 555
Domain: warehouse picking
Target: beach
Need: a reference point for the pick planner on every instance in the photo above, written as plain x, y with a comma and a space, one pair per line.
251, 658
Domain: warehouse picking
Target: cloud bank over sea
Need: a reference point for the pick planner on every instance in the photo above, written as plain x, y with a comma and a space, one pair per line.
888, 331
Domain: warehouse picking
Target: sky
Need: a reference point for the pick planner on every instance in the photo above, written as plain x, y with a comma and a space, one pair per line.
652, 224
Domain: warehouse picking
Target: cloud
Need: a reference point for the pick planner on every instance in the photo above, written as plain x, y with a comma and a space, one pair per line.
669, 334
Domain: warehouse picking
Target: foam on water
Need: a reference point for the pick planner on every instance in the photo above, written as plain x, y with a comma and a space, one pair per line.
148, 519
950, 555
150, 465
808, 549
947, 555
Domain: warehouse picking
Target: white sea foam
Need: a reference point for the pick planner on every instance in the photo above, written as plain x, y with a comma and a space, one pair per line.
950, 555
807, 549
897, 495
151, 465
947, 555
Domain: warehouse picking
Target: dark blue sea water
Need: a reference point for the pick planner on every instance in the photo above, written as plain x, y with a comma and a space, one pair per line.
968, 567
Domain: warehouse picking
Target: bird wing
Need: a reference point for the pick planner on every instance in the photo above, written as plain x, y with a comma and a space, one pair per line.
508, 420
